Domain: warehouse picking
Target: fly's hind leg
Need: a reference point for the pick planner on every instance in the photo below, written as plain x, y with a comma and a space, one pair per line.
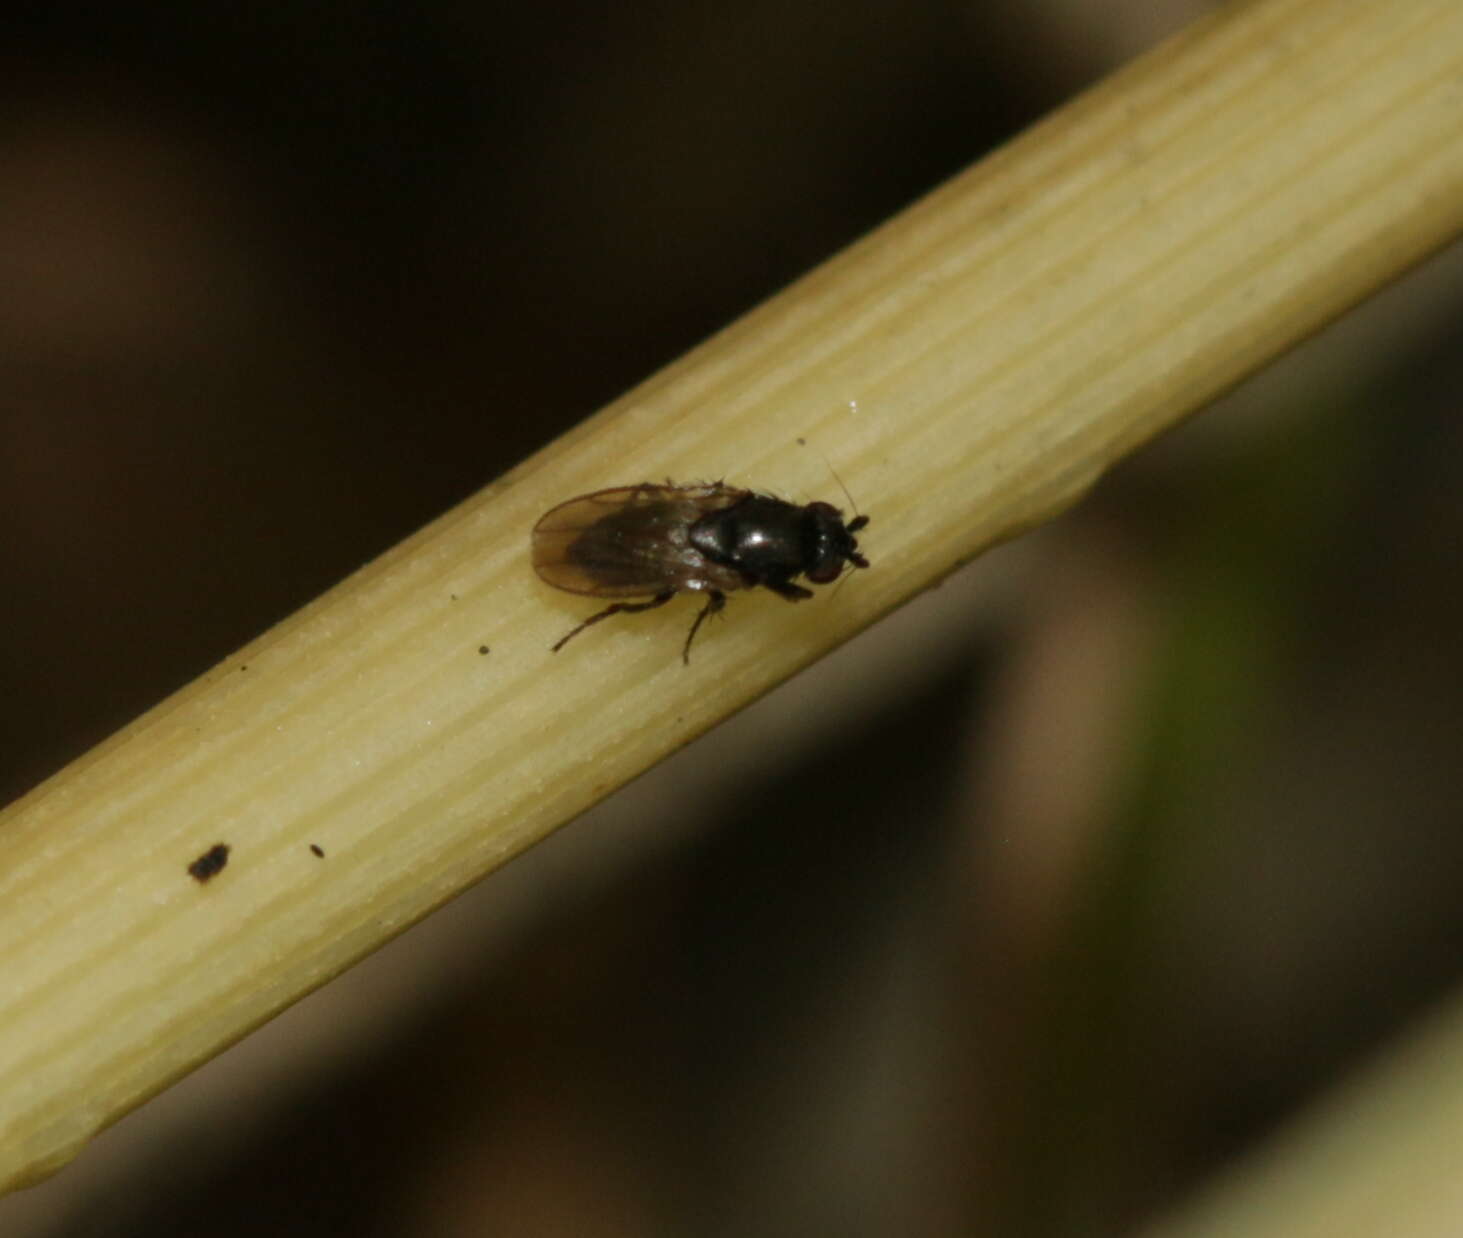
627, 608
715, 600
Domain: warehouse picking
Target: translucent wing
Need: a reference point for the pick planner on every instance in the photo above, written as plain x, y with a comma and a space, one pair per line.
630, 541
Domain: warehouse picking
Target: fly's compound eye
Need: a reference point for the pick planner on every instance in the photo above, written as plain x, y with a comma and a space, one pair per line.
832, 545
827, 569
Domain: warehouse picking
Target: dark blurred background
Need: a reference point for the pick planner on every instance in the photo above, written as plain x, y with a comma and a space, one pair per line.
1021, 915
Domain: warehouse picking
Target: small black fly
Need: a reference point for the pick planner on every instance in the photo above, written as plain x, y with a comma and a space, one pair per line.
657, 541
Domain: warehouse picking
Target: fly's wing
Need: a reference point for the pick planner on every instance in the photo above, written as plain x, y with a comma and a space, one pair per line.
627, 542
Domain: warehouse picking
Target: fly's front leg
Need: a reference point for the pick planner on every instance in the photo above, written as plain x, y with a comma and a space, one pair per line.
627, 608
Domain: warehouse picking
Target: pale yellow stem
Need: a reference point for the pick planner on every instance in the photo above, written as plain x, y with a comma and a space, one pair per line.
1378, 1157
969, 369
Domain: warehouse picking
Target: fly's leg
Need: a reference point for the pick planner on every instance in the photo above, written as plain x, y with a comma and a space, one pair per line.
628, 608
792, 592
715, 600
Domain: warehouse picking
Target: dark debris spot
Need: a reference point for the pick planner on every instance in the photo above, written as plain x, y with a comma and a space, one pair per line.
210, 863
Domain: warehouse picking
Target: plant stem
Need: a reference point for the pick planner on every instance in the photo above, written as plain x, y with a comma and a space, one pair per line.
970, 368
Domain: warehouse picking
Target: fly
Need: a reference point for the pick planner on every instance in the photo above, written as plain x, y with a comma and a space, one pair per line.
653, 541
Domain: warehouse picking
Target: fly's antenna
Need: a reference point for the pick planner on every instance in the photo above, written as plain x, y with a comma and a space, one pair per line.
834, 471
841, 486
